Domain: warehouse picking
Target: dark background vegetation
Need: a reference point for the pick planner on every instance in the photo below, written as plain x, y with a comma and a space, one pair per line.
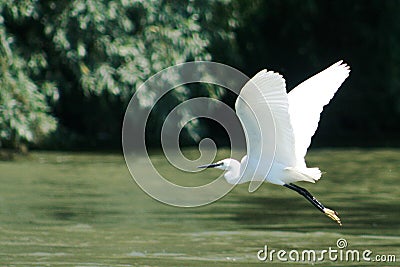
69, 68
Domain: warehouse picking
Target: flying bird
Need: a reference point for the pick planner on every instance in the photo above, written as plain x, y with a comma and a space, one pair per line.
295, 117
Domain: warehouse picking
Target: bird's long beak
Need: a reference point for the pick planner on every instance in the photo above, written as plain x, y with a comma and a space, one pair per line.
210, 165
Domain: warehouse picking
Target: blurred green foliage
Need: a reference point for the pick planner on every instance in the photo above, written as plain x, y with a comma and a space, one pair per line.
86, 58
72, 66
23, 106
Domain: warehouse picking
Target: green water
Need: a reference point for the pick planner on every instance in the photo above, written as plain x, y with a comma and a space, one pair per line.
62, 209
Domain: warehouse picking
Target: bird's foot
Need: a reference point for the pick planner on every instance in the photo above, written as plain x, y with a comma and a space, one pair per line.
333, 215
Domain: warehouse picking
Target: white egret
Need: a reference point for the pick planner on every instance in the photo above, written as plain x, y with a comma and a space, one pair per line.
296, 115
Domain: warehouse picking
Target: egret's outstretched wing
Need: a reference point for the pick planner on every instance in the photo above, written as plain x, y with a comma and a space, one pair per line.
306, 102
266, 92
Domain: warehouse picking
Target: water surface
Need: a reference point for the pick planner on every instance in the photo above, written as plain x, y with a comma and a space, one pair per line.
63, 209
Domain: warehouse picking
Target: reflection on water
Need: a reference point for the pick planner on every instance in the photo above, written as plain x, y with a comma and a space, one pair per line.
84, 209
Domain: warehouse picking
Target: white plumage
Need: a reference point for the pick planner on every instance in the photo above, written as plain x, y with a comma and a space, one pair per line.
295, 116
277, 141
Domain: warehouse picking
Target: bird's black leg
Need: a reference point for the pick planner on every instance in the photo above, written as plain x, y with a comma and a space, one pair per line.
330, 213
307, 195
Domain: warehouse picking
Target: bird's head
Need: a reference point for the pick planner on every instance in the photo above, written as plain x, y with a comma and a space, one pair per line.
231, 166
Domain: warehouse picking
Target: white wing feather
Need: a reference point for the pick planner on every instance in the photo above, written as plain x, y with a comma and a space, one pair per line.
266, 91
292, 121
306, 102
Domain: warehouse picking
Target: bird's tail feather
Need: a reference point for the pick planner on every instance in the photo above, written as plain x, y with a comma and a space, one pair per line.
307, 174
313, 173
